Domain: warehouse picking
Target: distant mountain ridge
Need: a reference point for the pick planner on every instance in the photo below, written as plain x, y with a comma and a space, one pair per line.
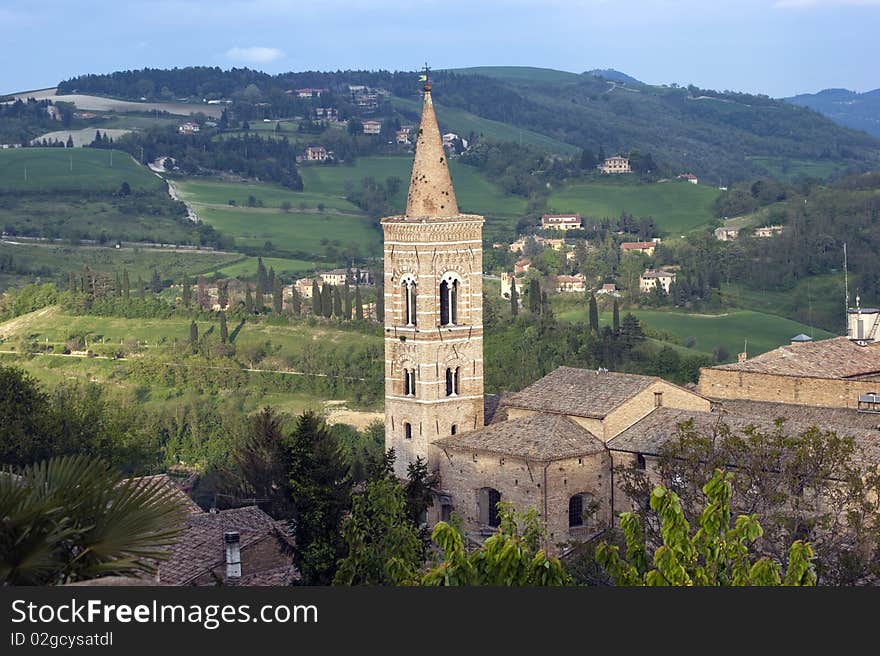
860, 111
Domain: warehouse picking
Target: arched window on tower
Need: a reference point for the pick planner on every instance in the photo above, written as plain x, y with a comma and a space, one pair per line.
453, 381
409, 382
408, 286
450, 287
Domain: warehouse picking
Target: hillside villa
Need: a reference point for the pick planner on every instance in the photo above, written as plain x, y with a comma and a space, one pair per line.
372, 127
575, 283
522, 266
651, 278
726, 234
616, 164
768, 231
561, 221
645, 247
316, 154
690, 177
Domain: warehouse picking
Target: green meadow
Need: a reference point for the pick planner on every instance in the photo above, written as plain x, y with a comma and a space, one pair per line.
731, 330
677, 206
74, 169
209, 192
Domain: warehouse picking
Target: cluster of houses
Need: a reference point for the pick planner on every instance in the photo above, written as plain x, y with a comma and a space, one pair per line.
764, 232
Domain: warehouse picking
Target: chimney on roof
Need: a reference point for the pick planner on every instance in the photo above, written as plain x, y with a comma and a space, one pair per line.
233, 557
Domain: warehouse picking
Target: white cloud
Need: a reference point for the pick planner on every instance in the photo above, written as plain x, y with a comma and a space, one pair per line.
254, 54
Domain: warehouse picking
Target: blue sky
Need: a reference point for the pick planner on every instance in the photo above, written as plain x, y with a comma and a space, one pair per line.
777, 47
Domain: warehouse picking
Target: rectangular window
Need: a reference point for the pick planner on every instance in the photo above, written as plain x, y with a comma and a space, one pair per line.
407, 430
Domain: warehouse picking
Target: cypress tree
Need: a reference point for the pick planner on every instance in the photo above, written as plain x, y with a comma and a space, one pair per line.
126, 285
346, 301
327, 300
296, 302
223, 294
193, 333
186, 292
248, 301
534, 296
316, 299
118, 288
71, 281
224, 330
514, 298
380, 300
277, 296
262, 276
337, 303
594, 315
142, 289
615, 318
358, 304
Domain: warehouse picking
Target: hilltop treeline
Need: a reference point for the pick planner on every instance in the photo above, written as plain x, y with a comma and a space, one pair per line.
714, 134
269, 160
21, 121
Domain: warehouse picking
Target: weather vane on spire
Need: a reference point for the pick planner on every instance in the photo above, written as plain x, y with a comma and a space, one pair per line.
425, 77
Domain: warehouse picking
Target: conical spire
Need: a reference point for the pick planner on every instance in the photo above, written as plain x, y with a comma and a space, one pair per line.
430, 188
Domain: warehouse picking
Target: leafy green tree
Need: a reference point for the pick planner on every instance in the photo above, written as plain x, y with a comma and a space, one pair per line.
383, 545
156, 282
23, 417
511, 556
717, 554
594, 315
277, 296
514, 298
224, 329
321, 492
358, 304
73, 519
631, 332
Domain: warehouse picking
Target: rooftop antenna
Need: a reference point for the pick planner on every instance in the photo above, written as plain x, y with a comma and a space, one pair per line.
845, 290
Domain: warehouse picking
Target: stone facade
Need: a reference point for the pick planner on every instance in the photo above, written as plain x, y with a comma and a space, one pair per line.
800, 390
544, 486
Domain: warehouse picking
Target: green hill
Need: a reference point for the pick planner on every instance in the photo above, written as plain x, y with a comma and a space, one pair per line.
677, 206
72, 169
519, 73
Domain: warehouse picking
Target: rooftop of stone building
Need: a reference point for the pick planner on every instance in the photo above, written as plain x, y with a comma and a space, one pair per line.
579, 392
200, 546
164, 484
838, 357
648, 435
539, 438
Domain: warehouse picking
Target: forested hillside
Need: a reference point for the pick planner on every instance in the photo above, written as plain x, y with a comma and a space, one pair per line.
720, 136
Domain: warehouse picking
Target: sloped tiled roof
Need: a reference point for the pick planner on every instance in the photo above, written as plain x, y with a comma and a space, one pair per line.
200, 547
649, 433
579, 392
540, 437
167, 485
838, 357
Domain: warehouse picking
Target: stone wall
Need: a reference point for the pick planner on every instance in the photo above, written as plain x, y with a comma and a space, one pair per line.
547, 487
800, 390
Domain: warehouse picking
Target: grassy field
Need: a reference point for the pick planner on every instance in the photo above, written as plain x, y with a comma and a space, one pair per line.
35, 169
764, 332
815, 301
209, 192
463, 123
284, 267
677, 207
473, 191
787, 169
296, 232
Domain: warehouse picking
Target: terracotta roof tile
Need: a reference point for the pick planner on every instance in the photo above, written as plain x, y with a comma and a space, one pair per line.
539, 437
167, 484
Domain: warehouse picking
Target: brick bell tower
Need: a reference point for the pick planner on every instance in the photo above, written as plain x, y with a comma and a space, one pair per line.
433, 309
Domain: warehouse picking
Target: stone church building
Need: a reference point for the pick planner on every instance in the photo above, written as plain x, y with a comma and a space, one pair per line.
553, 446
